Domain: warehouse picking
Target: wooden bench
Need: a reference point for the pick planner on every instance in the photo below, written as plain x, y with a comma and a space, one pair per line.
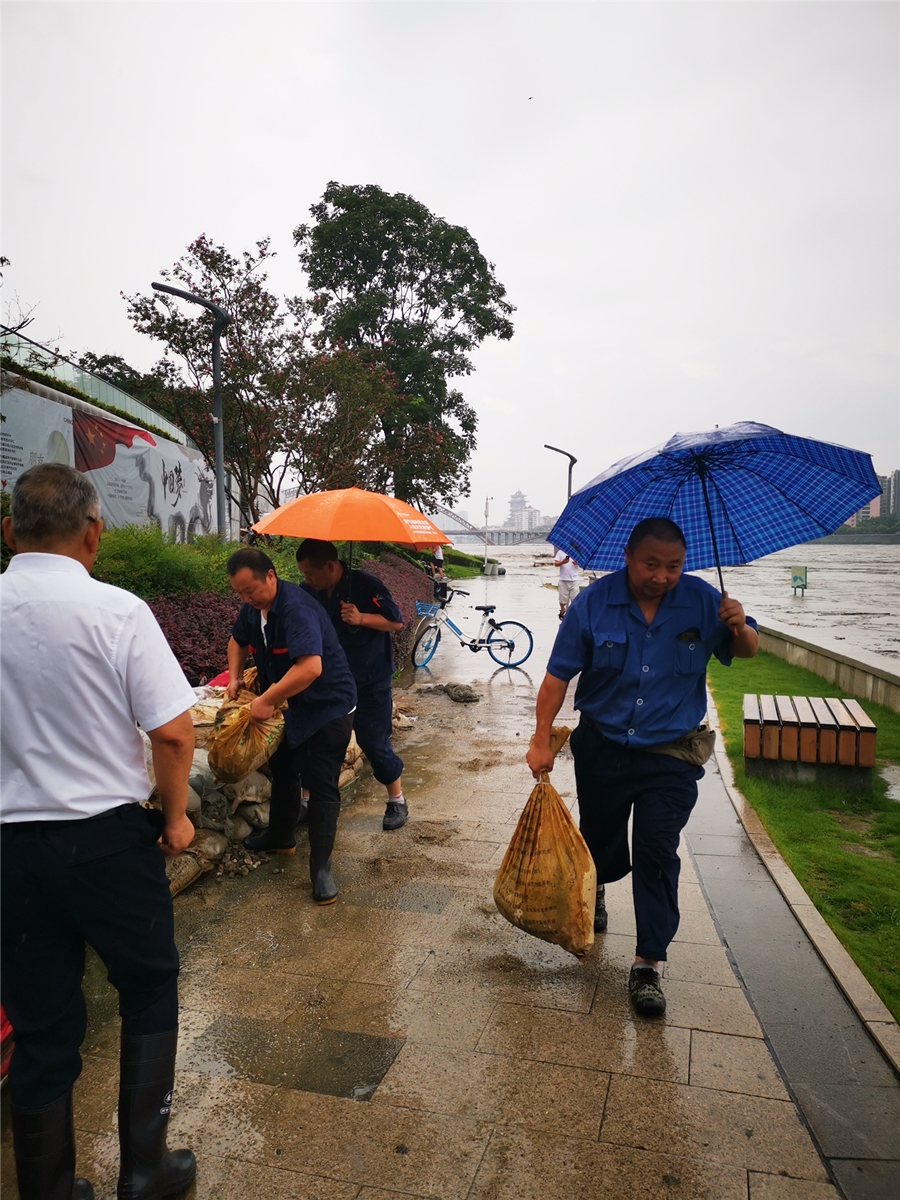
827, 739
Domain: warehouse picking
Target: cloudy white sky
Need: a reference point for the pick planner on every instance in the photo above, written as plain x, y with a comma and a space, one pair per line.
694, 207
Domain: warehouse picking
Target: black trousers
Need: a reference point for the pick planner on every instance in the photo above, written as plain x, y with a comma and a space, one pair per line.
612, 782
317, 761
372, 726
100, 881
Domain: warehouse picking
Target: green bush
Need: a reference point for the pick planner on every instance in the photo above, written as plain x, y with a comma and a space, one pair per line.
142, 560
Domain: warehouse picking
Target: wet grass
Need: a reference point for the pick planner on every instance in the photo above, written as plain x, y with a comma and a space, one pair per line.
843, 846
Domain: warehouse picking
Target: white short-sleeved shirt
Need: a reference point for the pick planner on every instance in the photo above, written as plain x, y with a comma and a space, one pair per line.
81, 663
567, 570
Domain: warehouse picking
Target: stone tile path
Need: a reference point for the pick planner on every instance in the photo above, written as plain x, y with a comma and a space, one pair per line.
408, 1041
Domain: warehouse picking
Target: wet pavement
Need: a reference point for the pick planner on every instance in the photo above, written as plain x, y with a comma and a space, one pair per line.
407, 1041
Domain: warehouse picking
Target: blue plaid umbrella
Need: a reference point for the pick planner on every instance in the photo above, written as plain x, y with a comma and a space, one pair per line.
737, 493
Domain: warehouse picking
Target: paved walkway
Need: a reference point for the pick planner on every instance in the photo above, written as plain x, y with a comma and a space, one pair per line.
409, 1042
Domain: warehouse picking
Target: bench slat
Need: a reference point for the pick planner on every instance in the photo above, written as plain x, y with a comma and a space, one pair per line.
752, 738
847, 732
867, 733
790, 729
771, 728
827, 730
808, 729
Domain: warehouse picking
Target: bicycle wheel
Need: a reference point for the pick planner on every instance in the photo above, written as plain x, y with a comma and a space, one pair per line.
426, 644
510, 643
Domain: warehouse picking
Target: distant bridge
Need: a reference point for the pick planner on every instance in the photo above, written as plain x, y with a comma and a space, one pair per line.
500, 536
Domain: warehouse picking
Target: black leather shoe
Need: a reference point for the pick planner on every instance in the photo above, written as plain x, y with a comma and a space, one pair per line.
266, 842
44, 1142
395, 815
601, 916
646, 994
148, 1169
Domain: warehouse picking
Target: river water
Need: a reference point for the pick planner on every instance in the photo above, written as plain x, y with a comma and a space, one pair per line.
853, 594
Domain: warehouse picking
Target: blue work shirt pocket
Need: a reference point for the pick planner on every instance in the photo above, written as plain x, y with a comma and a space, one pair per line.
610, 651
690, 657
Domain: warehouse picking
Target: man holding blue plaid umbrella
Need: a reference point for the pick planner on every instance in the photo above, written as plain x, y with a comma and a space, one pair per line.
640, 639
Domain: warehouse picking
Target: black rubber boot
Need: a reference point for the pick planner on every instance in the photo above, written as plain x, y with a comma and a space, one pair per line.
323, 821
44, 1141
284, 814
149, 1170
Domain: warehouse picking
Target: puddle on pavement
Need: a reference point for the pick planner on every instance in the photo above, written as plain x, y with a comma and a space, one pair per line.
295, 1055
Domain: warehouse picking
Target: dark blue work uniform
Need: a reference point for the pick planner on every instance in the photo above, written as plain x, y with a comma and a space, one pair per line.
370, 656
318, 720
640, 685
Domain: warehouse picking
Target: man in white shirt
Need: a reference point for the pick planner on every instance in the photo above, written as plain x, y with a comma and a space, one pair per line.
81, 665
569, 572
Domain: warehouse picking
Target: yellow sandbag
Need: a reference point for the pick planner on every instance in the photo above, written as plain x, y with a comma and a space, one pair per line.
547, 882
238, 745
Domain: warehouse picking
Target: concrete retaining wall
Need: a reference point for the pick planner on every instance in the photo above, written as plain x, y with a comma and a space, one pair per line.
868, 676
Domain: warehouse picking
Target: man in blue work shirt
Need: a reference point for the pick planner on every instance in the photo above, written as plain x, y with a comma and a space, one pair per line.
298, 660
364, 616
640, 639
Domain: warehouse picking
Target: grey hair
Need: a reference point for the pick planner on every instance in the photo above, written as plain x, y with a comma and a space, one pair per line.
51, 503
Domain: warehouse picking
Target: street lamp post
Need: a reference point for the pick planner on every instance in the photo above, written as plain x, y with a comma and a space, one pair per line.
221, 319
572, 461
487, 501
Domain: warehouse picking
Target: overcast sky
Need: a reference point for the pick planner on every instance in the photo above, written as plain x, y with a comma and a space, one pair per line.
694, 207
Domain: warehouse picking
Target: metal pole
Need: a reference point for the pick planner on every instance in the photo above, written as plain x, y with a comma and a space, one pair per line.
701, 471
572, 461
486, 500
221, 320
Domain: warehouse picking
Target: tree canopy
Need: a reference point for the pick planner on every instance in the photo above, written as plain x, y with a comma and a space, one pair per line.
404, 288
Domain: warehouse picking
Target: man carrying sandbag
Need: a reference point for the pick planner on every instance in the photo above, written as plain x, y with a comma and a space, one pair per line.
298, 660
364, 616
82, 861
640, 638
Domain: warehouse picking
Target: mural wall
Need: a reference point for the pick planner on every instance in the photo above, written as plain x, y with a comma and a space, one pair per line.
141, 478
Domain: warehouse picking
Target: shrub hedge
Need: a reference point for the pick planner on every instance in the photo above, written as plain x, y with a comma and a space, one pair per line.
187, 587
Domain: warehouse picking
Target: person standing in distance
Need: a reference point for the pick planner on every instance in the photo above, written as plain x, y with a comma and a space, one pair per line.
298, 660
640, 638
82, 664
364, 615
569, 572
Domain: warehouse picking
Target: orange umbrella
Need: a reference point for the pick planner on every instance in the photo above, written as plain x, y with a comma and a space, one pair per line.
352, 515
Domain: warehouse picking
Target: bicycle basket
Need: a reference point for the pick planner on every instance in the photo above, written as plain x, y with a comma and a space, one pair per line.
427, 610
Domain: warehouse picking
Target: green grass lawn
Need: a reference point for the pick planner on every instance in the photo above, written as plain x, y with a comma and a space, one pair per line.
843, 846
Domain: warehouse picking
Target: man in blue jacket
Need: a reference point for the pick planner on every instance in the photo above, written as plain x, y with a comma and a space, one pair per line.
298, 660
364, 615
640, 638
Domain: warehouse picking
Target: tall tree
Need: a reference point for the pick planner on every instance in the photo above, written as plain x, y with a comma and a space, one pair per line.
261, 349
406, 289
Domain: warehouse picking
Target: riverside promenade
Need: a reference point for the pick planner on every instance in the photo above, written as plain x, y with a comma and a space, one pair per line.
408, 1042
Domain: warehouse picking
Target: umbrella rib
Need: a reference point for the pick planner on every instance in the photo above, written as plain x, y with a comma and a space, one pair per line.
786, 497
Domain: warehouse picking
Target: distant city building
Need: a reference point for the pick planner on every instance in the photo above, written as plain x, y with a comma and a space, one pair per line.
887, 502
517, 504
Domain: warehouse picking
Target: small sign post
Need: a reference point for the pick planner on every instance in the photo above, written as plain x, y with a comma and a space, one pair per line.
798, 579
